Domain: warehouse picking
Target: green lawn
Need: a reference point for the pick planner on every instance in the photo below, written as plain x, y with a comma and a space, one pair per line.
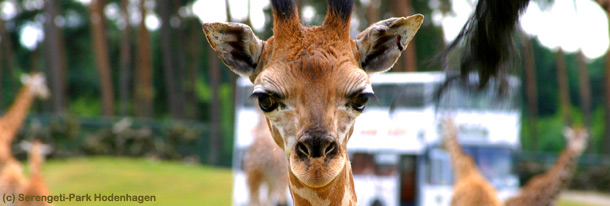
172, 183
572, 203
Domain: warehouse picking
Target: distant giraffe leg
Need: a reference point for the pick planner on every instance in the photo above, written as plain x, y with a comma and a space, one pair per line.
281, 194
254, 183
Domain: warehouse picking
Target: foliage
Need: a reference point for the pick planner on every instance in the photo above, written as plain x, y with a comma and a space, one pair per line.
71, 137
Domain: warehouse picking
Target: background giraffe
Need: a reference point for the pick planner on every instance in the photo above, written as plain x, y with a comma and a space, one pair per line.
265, 163
544, 189
33, 86
35, 185
470, 187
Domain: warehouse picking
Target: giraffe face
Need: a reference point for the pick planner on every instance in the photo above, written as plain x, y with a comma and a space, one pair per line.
313, 119
37, 83
312, 82
576, 138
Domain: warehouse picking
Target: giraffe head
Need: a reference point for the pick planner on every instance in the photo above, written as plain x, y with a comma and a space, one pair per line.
312, 82
37, 83
576, 138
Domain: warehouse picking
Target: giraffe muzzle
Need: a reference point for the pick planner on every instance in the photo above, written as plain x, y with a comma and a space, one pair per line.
313, 147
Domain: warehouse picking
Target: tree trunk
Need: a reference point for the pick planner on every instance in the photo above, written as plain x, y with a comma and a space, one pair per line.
3, 58
408, 61
55, 56
585, 88
193, 49
605, 4
144, 73
98, 32
531, 90
180, 58
606, 139
564, 90
7, 46
215, 140
168, 66
585, 93
125, 60
372, 11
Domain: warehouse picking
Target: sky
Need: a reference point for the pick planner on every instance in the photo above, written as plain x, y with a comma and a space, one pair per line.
571, 25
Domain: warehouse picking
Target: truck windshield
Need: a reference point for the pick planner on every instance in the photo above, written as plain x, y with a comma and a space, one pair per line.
495, 163
457, 97
399, 95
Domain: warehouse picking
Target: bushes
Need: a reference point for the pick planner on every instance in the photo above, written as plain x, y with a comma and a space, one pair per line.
70, 136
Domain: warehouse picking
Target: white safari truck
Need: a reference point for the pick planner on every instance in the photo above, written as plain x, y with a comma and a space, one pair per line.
395, 149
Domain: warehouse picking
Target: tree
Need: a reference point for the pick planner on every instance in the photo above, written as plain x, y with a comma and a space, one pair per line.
193, 51
144, 74
408, 61
100, 45
215, 140
605, 4
55, 55
174, 90
585, 88
125, 60
564, 90
3, 57
531, 90
180, 51
372, 11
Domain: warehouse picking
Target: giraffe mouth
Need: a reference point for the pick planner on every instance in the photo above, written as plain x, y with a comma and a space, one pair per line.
316, 172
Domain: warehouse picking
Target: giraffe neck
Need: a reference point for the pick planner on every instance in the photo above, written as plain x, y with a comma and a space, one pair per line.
563, 169
340, 191
545, 188
463, 164
12, 120
35, 162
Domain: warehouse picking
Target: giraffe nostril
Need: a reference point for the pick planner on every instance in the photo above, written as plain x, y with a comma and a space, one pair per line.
330, 148
302, 149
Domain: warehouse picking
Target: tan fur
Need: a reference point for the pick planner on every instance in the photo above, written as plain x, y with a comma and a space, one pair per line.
470, 188
36, 184
315, 73
11, 178
544, 189
265, 163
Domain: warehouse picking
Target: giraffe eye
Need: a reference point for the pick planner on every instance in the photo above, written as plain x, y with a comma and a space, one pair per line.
358, 102
267, 103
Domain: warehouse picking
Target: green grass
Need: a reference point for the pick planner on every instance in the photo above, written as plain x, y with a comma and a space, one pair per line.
573, 203
172, 183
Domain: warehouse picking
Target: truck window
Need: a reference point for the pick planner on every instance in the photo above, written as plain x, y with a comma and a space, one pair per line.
399, 95
495, 163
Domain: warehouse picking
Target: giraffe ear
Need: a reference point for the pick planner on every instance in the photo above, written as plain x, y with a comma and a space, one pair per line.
236, 45
381, 44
